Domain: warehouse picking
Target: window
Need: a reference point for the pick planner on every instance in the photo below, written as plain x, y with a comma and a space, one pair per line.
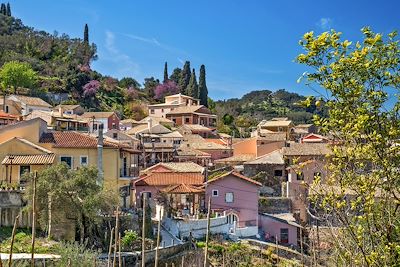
162, 110
24, 169
187, 120
114, 126
317, 175
94, 127
66, 159
284, 235
84, 160
278, 173
7, 109
215, 193
300, 176
229, 197
115, 135
152, 111
30, 110
280, 129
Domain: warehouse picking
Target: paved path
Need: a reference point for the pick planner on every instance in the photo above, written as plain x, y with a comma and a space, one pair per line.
27, 256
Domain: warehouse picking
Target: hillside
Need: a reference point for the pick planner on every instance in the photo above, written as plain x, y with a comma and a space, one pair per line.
240, 114
64, 74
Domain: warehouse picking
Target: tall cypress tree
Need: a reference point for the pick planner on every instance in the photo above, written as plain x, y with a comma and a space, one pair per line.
203, 91
165, 72
86, 34
8, 10
193, 89
176, 75
3, 9
185, 77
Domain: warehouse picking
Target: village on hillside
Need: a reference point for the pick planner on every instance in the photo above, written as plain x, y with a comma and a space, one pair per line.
176, 161
285, 153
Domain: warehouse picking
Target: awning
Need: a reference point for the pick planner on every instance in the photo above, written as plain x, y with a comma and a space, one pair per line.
41, 159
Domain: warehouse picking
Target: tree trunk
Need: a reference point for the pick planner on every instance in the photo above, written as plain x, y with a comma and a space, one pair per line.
49, 206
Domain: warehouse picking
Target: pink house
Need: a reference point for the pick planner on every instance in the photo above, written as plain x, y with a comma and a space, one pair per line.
281, 227
237, 196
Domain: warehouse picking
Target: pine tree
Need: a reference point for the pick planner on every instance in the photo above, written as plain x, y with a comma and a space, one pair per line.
3, 9
185, 77
165, 72
193, 89
203, 91
86, 35
8, 10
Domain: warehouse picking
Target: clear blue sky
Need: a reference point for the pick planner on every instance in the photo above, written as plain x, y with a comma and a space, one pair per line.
245, 45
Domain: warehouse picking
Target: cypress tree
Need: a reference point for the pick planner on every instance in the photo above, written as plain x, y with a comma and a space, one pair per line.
185, 77
192, 89
86, 34
8, 10
165, 72
176, 75
3, 9
203, 91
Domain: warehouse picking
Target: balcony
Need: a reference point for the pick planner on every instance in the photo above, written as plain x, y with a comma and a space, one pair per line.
128, 172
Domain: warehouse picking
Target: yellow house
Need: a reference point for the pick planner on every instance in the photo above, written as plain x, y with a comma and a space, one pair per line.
29, 146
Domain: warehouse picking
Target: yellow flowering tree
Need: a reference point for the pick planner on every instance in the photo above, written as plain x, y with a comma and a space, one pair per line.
361, 191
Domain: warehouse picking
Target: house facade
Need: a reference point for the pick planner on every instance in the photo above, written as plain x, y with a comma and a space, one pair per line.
237, 196
192, 115
172, 102
109, 120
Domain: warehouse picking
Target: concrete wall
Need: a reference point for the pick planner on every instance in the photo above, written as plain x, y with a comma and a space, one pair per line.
273, 227
10, 207
198, 228
245, 198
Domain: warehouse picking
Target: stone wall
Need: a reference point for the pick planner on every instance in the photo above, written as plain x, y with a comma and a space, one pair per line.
274, 205
11, 205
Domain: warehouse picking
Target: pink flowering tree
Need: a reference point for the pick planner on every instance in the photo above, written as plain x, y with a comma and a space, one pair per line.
167, 88
91, 88
132, 93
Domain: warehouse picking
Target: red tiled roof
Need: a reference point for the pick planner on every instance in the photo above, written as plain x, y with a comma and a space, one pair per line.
171, 178
236, 174
183, 189
29, 159
216, 141
4, 115
72, 139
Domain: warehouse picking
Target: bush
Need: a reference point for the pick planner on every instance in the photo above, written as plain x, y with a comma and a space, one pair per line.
130, 237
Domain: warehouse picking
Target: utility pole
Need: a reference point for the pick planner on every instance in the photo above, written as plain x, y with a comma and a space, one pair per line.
143, 228
110, 248
116, 237
33, 220
158, 239
301, 246
12, 241
207, 234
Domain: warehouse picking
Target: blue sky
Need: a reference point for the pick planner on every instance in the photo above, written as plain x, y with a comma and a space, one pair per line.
245, 45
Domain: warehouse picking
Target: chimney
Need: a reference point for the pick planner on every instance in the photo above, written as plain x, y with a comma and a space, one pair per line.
150, 123
61, 111
100, 175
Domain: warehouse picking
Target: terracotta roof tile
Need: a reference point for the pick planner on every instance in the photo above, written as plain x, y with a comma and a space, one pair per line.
236, 174
43, 159
183, 189
72, 139
306, 149
98, 115
171, 178
32, 101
